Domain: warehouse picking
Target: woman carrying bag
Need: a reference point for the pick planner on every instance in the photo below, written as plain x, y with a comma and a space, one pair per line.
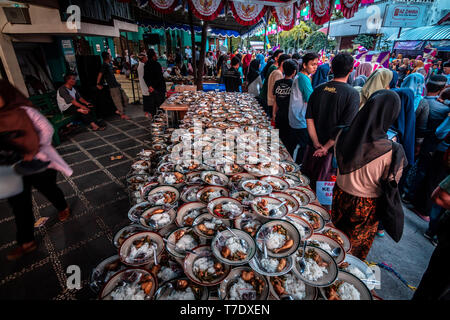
44, 181
367, 160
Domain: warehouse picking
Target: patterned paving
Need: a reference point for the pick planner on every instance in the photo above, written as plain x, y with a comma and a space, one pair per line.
97, 196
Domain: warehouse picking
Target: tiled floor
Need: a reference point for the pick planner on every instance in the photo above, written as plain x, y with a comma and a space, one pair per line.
97, 196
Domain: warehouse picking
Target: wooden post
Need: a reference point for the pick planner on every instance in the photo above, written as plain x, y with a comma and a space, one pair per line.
201, 63
191, 24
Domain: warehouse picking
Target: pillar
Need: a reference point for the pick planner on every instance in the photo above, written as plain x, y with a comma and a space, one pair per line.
11, 65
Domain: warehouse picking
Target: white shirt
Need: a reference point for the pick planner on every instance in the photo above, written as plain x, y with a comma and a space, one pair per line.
188, 52
142, 83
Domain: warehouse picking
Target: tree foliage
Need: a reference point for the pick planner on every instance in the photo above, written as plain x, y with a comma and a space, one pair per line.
295, 37
317, 41
365, 40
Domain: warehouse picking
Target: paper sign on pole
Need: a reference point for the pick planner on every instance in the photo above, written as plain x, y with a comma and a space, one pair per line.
324, 192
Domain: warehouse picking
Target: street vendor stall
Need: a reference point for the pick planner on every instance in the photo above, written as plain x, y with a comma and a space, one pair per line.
220, 211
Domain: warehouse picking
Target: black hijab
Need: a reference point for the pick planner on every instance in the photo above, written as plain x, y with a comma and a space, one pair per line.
253, 71
366, 138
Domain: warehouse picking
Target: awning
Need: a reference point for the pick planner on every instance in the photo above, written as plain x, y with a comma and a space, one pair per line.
423, 33
173, 26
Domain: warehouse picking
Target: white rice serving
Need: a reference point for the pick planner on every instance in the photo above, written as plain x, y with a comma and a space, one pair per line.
295, 287
348, 291
186, 242
234, 245
128, 292
239, 288
187, 294
134, 252
269, 264
275, 240
313, 271
322, 245
356, 272
167, 274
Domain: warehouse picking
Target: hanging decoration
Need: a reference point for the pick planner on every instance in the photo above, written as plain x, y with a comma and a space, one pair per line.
301, 4
163, 6
285, 16
321, 10
206, 9
247, 14
349, 7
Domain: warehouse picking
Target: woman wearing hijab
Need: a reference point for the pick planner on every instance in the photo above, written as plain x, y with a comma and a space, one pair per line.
254, 78
416, 82
246, 63
364, 154
405, 124
364, 68
321, 75
378, 80
11, 100
418, 65
262, 63
393, 83
403, 71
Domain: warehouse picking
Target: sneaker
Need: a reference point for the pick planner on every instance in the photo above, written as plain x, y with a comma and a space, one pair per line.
380, 233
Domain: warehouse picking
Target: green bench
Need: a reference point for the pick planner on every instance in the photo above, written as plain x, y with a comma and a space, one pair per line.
48, 106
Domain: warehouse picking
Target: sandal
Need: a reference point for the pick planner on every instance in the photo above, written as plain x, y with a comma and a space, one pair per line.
99, 129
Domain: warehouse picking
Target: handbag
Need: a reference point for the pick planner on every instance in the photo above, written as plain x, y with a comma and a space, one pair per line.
389, 206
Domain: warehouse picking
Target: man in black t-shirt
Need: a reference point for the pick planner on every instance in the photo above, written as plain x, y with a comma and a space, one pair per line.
282, 94
331, 106
232, 77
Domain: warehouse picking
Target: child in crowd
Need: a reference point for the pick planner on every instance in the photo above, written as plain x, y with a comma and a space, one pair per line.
282, 94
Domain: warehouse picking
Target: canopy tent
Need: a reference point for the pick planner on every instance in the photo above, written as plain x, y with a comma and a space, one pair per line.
423, 33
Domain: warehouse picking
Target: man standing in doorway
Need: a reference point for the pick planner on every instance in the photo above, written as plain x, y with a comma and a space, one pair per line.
118, 96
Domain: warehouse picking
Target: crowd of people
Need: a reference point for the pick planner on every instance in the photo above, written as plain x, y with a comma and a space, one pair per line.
363, 126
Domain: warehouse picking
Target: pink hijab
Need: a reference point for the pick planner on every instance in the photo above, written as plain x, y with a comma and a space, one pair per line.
364, 68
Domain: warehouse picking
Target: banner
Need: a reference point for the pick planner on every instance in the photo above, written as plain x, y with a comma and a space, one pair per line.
247, 14
163, 6
405, 15
321, 10
349, 7
206, 9
285, 16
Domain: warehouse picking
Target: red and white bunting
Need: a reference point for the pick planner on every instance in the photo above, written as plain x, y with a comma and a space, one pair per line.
206, 9
247, 14
349, 7
321, 10
163, 6
285, 16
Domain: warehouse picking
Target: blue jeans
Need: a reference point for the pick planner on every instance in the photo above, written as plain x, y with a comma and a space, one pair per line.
435, 215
